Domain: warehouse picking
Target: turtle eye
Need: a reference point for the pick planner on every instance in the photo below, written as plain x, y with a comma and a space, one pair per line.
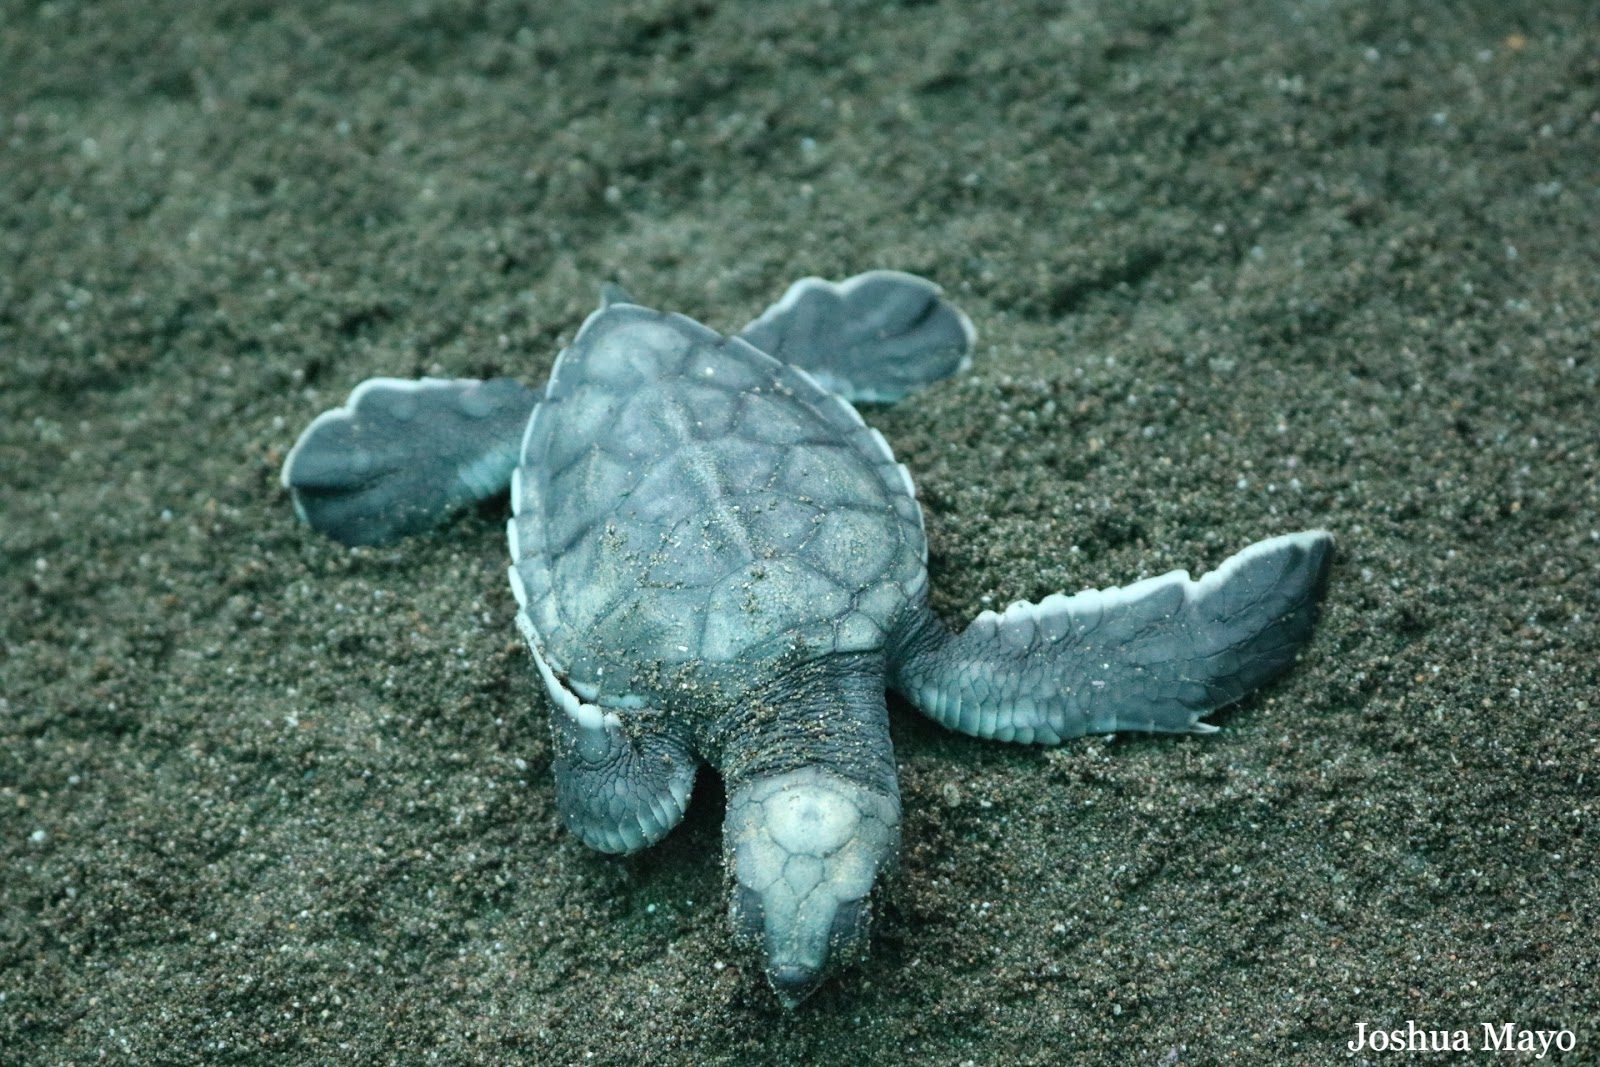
849, 934
748, 917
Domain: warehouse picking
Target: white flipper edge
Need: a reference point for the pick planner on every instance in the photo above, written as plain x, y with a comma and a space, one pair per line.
1153, 656
872, 338
400, 456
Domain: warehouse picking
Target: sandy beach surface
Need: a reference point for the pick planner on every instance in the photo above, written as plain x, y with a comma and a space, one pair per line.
1237, 269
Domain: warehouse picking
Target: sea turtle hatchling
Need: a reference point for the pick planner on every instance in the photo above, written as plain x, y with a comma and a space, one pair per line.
715, 560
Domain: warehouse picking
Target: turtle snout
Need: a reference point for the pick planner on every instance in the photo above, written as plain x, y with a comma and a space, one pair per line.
804, 849
794, 982
795, 970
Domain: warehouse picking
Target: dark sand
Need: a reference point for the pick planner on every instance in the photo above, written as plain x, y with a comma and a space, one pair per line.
1238, 269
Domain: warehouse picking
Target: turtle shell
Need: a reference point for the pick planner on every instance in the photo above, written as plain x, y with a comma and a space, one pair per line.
687, 503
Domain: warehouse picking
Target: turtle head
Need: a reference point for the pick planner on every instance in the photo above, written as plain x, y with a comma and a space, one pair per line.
804, 849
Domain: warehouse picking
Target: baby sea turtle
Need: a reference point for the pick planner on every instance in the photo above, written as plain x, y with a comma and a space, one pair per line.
715, 560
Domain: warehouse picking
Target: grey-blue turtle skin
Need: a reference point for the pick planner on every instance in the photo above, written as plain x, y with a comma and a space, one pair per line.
716, 561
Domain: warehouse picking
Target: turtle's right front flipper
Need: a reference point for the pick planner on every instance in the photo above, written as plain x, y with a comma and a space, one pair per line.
620, 786
1154, 656
401, 456
873, 338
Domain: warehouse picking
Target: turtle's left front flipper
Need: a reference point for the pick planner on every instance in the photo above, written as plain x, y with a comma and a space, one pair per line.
872, 338
401, 456
1153, 656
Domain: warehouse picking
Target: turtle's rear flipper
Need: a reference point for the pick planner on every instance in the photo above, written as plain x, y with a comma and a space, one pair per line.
1153, 656
873, 338
401, 456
